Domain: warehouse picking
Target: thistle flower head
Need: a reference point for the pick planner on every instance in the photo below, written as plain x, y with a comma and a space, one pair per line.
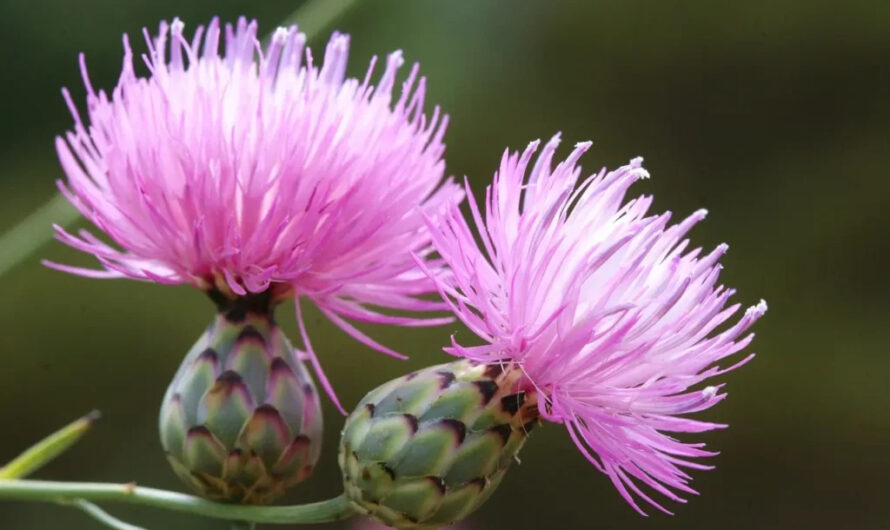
613, 320
253, 167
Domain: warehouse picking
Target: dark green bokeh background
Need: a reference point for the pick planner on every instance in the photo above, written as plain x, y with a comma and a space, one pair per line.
774, 115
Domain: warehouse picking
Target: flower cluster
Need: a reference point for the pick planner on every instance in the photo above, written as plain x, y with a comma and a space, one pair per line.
613, 320
254, 174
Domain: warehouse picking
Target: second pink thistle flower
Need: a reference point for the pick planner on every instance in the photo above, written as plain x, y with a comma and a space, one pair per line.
593, 314
611, 319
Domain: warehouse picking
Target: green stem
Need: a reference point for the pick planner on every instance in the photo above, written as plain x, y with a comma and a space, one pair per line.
102, 516
330, 510
33, 231
314, 17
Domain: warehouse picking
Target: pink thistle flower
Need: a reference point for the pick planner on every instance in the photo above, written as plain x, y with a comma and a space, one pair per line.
255, 169
613, 321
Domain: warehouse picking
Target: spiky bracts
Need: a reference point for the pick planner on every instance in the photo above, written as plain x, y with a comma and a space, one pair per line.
241, 421
426, 449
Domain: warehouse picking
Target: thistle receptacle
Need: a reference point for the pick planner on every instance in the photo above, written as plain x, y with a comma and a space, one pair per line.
241, 420
426, 449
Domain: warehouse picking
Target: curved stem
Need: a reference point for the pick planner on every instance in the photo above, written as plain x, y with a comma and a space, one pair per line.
334, 509
102, 516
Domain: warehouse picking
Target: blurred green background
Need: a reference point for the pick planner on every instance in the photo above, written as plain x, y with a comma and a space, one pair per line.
774, 115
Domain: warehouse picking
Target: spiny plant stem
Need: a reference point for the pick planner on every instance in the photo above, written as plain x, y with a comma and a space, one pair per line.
335, 509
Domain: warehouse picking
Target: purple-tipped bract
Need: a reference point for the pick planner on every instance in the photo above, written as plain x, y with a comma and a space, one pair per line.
614, 321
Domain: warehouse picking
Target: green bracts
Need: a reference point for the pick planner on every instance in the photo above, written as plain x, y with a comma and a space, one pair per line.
426, 449
241, 421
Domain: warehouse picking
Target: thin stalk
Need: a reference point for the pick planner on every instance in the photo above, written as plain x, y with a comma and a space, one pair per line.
335, 509
34, 231
102, 516
316, 17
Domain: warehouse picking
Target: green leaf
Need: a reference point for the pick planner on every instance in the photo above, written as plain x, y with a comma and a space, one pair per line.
49, 448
